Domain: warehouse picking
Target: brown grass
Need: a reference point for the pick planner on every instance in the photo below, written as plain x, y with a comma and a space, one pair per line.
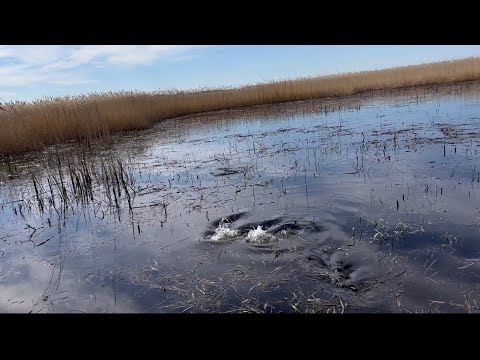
31, 125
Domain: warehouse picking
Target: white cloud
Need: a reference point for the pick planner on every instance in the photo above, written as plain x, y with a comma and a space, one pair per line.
24, 286
68, 65
34, 55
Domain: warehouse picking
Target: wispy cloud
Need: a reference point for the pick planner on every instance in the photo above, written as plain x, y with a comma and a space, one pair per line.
70, 65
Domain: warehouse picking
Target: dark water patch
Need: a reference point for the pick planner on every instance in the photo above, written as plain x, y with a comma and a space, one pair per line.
268, 231
224, 171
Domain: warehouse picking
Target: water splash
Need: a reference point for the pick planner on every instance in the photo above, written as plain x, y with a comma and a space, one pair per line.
260, 236
224, 232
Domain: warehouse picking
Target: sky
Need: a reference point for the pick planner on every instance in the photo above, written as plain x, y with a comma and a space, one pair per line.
29, 72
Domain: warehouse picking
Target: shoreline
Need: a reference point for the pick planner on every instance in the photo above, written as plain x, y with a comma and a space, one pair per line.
32, 126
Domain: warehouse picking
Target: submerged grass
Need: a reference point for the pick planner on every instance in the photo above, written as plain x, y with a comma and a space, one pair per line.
32, 125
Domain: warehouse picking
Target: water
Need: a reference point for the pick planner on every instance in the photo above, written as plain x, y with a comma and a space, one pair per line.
369, 204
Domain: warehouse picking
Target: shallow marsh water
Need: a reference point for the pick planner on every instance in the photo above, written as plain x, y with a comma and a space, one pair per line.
365, 204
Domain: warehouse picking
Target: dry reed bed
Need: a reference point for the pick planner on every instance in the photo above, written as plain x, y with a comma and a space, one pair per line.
31, 125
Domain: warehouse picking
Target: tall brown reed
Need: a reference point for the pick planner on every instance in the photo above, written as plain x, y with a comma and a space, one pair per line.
31, 125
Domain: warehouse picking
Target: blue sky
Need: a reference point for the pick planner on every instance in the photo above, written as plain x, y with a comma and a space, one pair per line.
28, 72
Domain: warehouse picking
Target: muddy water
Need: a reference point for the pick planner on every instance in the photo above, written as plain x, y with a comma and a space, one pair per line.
369, 204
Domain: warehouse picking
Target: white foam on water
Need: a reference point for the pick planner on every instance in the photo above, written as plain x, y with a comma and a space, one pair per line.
286, 232
260, 236
223, 231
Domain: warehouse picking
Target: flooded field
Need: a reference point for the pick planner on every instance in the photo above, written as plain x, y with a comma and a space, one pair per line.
366, 204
